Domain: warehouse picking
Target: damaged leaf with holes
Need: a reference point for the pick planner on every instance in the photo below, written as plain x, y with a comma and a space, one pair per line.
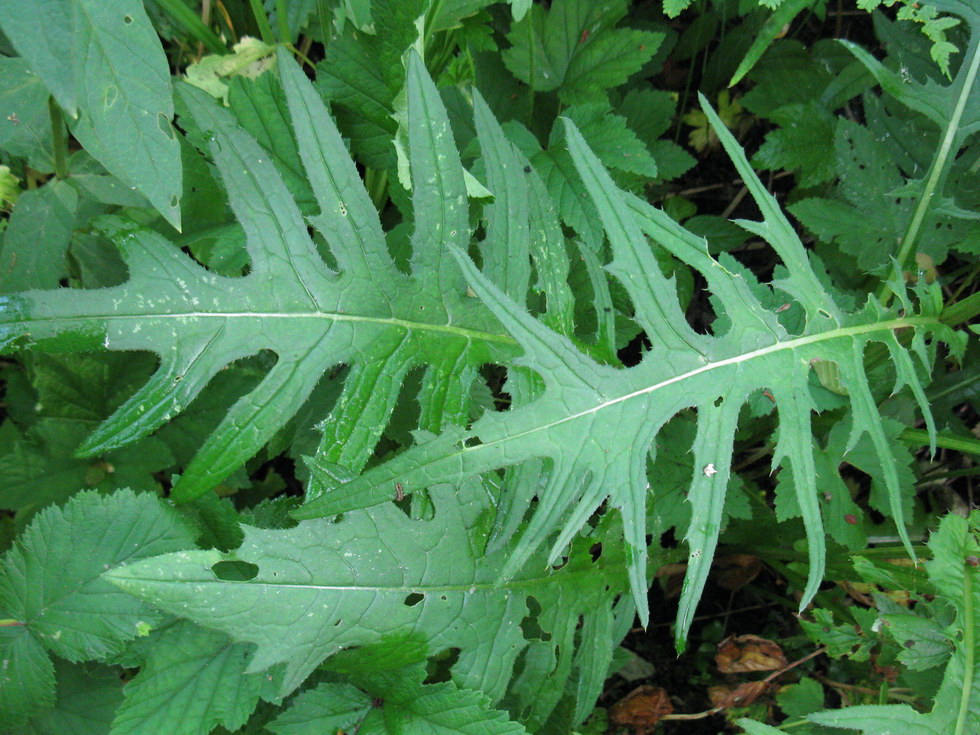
369, 315
597, 424
300, 600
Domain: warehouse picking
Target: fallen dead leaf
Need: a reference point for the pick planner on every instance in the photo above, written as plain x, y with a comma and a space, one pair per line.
734, 571
738, 696
746, 653
642, 709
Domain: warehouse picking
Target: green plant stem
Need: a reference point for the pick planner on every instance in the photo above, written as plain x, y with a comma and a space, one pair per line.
282, 18
969, 631
376, 183
265, 30
323, 16
961, 311
951, 475
937, 171
919, 437
60, 139
186, 17
427, 33
968, 282
530, 67
300, 55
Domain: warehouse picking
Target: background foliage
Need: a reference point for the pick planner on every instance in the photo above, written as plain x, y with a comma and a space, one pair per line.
395, 366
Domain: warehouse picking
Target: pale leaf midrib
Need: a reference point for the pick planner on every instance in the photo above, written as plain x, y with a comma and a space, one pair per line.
799, 342
458, 331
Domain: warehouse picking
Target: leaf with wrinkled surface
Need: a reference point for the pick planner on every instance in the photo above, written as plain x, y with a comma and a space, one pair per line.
52, 591
191, 680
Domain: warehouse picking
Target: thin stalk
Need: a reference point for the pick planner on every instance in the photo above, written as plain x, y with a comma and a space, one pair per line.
323, 17
918, 437
300, 55
427, 31
282, 17
530, 68
969, 631
186, 17
942, 477
60, 139
938, 169
376, 183
265, 30
961, 311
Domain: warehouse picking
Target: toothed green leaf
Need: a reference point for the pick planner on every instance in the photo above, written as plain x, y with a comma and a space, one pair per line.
309, 600
580, 420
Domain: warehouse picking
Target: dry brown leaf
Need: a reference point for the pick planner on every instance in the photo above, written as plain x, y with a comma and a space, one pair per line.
734, 571
739, 696
642, 709
672, 576
745, 653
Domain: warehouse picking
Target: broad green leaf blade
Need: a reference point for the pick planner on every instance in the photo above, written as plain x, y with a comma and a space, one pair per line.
36, 238
328, 707
42, 33
712, 467
435, 709
776, 230
322, 586
506, 248
438, 190
757, 728
360, 414
259, 106
353, 79
26, 131
868, 420
50, 580
605, 333
123, 84
407, 706
104, 64
895, 719
550, 257
192, 680
27, 678
795, 444
653, 296
574, 48
88, 694
353, 232
774, 26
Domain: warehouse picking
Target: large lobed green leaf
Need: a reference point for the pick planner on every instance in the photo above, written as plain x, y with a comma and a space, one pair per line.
322, 587
597, 424
370, 316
